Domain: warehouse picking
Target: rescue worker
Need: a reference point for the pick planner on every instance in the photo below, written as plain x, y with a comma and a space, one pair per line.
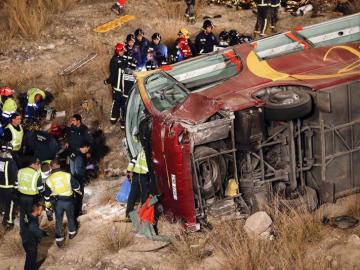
129, 52
79, 142
118, 65
35, 104
141, 47
129, 80
161, 51
29, 186
189, 12
139, 183
59, 189
183, 48
119, 7
31, 235
206, 41
43, 146
263, 17
151, 63
14, 134
234, 37
224, 39
8, 174
275, 5
9, 105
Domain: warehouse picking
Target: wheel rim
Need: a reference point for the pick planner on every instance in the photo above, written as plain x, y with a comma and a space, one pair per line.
284, 98
209, 173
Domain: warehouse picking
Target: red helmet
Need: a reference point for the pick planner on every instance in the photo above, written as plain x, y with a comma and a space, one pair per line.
119, 47
6, 91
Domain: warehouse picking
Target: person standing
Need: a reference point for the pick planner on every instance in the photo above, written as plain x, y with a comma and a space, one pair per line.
206, 41
79, 142
14, 134
29, 186
119, 7
189, 12
141, 48
8, 174
263, 17
118, 65
275, 5
31, 235
60, 187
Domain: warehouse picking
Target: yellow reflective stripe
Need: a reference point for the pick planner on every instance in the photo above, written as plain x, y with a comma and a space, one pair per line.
6, 173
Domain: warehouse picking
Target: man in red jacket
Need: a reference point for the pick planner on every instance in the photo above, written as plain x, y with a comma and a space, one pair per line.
119, 7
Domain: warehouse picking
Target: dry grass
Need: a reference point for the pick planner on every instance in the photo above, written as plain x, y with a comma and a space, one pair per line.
11, 245
108, 195
353, 208
115, 237
28, 18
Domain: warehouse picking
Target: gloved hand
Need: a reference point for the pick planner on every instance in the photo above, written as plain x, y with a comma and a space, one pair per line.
49, 214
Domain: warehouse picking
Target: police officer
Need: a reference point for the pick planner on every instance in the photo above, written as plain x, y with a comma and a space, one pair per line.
206, 41
59, 189
118, 65
189, 12
141, 47
29, 187
14, 134
8, 174
9, 105
139, 183
263, 17
151, 63
160, 50
275, 5
31, 235
35, 104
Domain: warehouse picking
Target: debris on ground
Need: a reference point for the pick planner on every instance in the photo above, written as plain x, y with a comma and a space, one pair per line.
257, 224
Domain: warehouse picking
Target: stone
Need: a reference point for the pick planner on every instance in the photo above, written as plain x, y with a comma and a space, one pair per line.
257, 223
354, 240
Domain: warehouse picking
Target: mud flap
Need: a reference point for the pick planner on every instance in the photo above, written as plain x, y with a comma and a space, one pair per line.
113, 24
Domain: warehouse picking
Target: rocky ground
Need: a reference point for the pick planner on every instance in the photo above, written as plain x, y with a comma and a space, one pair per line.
25, 64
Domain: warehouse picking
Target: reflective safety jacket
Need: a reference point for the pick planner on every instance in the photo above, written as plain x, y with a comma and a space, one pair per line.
31, 95
29, 181
60, 183
16, 136
141, 166
8, 171
9, 107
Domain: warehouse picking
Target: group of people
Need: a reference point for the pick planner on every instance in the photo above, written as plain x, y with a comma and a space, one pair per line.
32, 176
139, 54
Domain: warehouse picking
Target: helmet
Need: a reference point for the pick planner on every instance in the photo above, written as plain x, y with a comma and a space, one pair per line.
234, 37
119, 47
130, 37
224, 36
208, 23
139, 31
233, 33
184, 32
156, 36
6, 91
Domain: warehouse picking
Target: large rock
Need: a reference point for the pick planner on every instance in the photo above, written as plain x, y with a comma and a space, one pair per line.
257, 223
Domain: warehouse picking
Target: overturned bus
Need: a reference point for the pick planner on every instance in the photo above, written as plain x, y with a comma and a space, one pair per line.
278, 115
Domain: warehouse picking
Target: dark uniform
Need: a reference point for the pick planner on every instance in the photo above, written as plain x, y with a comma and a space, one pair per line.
129, 80
31, 236
161, 53
205, 43
189, 12
140, 52
30, 186
118, 65
60, 186
14, 135
43, 145
8, 174
275, 5
263, 16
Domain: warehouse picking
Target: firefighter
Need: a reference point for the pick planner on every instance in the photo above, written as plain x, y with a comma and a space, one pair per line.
131, 65
141, 47
206, 41
8, 174
161, 51
9, 105
118, 65
29, 186
31, 236
189, 12
119, 7
275, 5
151, 63
14, 134
262, 19
183, 48
129, 52
139, 183
79, 142
35, 104
59, 195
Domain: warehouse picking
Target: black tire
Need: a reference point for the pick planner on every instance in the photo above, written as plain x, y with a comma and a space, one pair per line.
276, 110
211, 174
